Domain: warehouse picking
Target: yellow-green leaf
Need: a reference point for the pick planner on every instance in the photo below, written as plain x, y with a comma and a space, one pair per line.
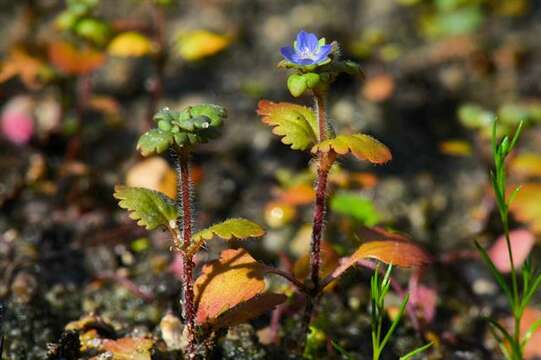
150, 208
198, 44
227, 230
296, 124
362, 146
130, 44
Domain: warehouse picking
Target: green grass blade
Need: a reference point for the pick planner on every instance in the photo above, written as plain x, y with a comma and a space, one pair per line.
419, 350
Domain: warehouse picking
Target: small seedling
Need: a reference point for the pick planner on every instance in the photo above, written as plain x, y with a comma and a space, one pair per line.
231, 289
379, 287
524, 284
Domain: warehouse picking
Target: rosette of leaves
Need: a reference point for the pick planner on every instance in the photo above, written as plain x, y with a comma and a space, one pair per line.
194, 125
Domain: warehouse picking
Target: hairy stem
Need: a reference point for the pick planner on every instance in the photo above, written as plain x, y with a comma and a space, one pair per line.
185, 223
325, 161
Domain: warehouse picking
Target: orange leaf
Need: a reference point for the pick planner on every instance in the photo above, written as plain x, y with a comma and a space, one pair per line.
387, 247
129, 348
526, 206
526, 165
362, 146
250, 309
532, 350
301, 194
227, 282
73, 60
379, 88
27, 67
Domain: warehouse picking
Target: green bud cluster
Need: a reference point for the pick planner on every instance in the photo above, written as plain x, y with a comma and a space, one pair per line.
194, 125
78, 20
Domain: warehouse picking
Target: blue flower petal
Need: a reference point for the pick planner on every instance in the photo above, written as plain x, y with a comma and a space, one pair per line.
312, 42
302, 61
301, 42
323, 54
288, 53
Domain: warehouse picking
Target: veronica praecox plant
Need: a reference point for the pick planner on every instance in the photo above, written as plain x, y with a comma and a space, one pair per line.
314, 65
180, 132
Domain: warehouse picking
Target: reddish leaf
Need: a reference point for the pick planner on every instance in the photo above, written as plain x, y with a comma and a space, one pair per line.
225, 283
73, 60
532, 351
390, 248
249, 309
522, 242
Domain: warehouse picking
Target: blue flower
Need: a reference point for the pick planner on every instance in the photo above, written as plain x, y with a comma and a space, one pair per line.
307, 50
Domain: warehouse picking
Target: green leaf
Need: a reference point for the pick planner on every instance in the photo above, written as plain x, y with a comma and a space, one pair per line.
419, 350
362, 146
497, 275
150, 208
296, 84
154, 141
357, 206
231, 228
296, 124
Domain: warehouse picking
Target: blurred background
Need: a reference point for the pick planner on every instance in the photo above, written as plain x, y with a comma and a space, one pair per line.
81, 79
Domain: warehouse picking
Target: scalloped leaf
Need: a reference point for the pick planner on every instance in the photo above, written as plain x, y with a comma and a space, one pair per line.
232, 228
248, 310
362, 146
150, 208
234, 278
154, 141
526, 206
296, 124
387, 247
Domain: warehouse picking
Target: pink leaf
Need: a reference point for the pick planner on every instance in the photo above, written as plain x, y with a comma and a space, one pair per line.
522, 242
